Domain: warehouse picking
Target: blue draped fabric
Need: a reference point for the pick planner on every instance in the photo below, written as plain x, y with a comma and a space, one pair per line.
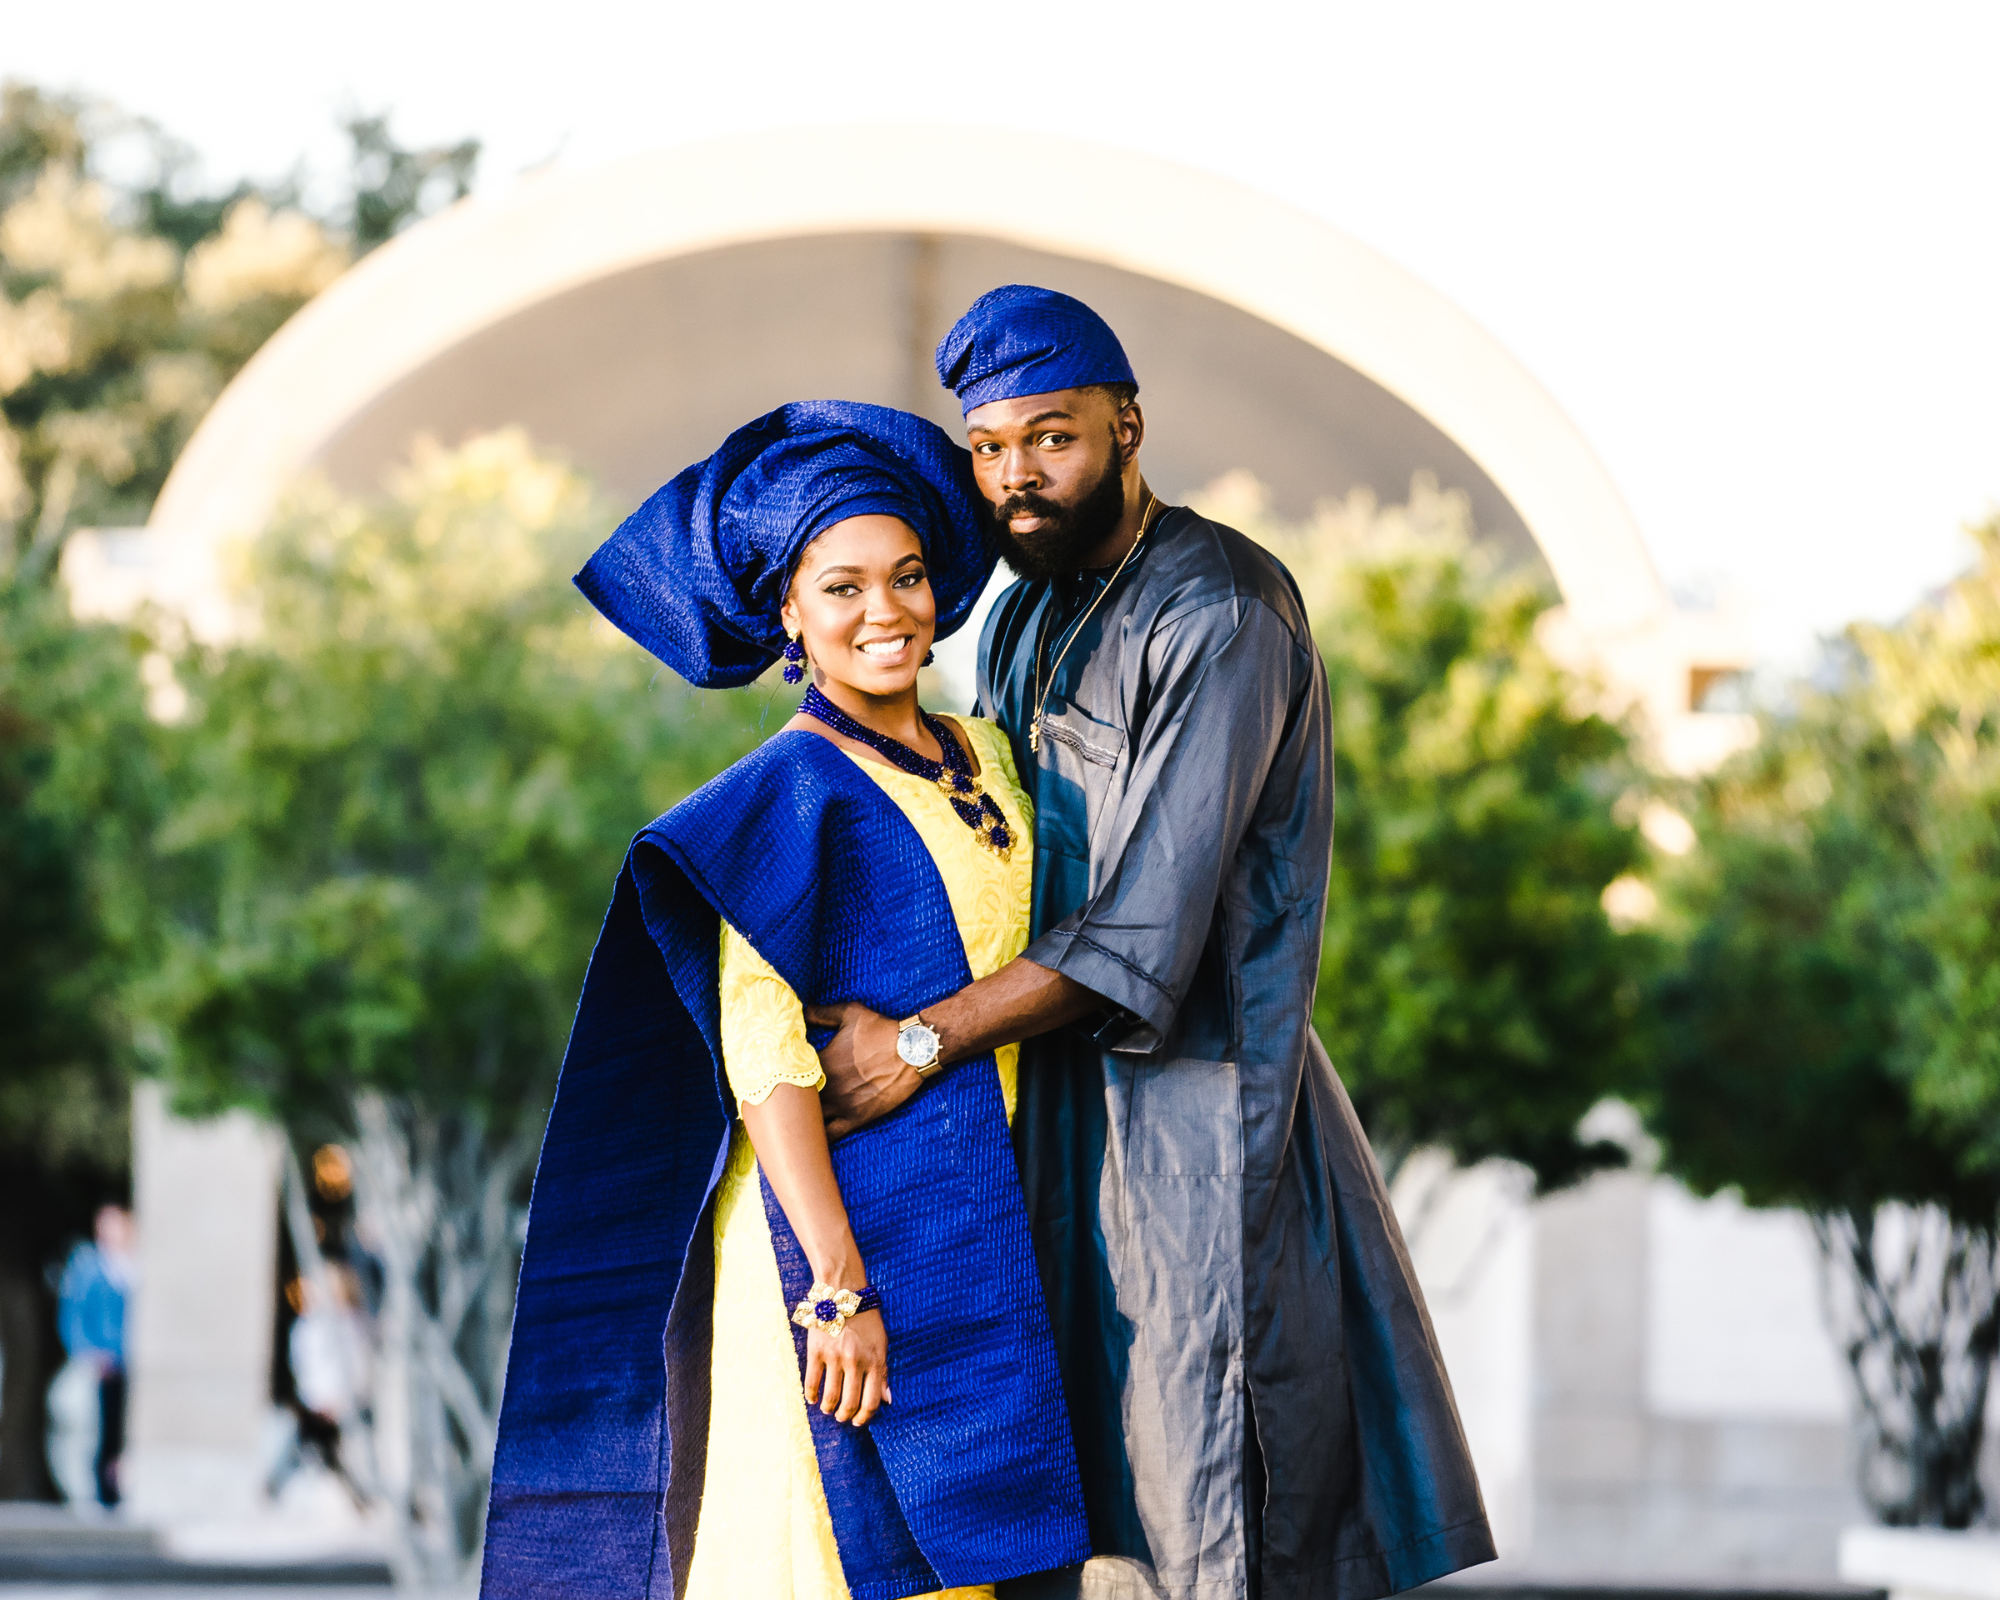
970, 1476
697, 574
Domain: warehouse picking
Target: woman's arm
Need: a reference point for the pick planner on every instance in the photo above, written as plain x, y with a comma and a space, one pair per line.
847, 1373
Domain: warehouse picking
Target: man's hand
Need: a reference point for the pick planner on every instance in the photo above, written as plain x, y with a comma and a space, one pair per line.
865, 1078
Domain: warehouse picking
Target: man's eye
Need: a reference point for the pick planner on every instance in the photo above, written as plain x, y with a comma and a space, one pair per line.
1055, 438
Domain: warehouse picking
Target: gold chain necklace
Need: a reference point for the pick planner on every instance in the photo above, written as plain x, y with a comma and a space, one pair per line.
1041, 693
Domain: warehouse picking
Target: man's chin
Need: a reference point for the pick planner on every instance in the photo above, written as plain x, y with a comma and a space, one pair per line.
1039, 557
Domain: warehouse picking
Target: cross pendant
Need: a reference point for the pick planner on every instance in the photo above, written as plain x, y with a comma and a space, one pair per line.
1035, 736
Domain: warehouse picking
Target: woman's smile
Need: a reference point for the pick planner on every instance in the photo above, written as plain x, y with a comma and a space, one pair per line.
887, 651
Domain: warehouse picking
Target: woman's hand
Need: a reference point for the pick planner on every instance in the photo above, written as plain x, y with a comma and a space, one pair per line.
847, 1373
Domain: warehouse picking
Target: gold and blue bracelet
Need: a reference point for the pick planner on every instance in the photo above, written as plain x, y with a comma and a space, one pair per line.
829, 1309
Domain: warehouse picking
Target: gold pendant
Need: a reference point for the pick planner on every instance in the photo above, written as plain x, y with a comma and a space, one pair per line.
1035, 736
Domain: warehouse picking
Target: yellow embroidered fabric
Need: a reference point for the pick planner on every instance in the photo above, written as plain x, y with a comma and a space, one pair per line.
764, 1531
764, 1026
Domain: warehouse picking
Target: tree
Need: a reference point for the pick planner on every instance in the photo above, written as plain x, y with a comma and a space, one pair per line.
398, 813
127, 307
124, 308
76, 790
123, 316
1814, 1045
1937, 679
1472, 992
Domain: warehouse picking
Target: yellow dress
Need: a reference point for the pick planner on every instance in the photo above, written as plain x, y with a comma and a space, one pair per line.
764, 1532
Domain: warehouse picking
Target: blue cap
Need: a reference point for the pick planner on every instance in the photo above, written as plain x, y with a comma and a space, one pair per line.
1022, 340
698, 573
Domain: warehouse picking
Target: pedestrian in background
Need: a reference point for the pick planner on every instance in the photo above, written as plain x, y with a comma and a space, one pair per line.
90, 1313
330, 1350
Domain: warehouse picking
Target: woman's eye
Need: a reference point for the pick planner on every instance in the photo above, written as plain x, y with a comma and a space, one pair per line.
909, 580
840, 591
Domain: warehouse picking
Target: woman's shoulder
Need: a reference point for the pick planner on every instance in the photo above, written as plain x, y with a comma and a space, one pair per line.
776, 768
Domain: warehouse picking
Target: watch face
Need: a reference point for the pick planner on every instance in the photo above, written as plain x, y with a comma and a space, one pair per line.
917, 1045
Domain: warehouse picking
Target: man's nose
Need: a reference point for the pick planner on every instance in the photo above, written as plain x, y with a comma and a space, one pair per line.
1019, 470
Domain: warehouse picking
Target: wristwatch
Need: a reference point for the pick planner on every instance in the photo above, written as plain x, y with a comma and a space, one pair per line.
918, 1044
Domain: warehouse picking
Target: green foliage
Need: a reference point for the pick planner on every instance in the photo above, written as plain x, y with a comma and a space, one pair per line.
77, 787
1779, 1053
394, 186
1826, 1029
1937, 681
125, 307
1472, 992
114, 337
399, 811
123, 310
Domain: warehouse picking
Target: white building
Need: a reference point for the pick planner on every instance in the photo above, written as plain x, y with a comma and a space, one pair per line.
1644, 1377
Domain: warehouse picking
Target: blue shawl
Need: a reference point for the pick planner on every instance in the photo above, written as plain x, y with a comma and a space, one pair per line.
970, 1477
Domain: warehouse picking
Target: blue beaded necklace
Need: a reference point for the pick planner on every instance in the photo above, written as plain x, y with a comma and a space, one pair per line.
976, 808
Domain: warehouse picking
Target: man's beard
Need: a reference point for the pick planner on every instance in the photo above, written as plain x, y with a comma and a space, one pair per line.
1068, 533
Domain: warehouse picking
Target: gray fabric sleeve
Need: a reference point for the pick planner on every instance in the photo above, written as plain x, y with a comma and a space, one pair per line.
1227, 676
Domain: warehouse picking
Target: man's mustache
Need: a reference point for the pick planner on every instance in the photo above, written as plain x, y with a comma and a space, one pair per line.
1026, 504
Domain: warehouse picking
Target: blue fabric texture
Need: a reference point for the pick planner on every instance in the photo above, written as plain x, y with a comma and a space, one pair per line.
971, 1476
1022, 340
696, 575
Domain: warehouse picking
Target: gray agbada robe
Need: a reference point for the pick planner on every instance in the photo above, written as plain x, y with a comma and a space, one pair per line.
1258, 1400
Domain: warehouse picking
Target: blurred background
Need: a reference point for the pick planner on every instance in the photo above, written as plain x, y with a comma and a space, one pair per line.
1619, 384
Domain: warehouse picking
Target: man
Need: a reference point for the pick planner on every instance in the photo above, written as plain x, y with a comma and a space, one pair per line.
90, 1316
1257, 1398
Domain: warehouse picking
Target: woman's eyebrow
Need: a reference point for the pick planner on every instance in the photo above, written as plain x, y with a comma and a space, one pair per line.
860, 572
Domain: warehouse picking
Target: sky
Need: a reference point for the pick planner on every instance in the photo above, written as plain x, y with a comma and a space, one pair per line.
1751, 249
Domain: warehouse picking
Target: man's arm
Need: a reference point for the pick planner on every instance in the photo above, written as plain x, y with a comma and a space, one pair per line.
866, 1079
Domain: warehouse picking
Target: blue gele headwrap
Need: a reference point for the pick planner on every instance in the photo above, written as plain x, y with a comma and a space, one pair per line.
1022, 340
696, 575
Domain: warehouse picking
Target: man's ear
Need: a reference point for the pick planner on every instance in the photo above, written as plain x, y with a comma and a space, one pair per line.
1130, 431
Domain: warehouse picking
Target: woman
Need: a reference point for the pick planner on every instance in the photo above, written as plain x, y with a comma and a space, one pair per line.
687, 1193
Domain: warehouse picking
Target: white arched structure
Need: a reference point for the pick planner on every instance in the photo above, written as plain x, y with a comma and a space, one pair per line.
484, 261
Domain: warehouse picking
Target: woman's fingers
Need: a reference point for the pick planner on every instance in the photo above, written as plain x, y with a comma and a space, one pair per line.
847, 1375
871, 1398
849, 1399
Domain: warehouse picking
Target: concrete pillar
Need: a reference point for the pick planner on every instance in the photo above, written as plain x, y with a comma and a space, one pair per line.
1471, 1234
199, 1332
1591, 1444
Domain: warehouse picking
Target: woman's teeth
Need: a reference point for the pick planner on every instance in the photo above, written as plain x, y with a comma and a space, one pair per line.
883, 647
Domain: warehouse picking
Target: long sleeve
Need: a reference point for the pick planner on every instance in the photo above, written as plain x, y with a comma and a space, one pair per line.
1228, 677
764, 1039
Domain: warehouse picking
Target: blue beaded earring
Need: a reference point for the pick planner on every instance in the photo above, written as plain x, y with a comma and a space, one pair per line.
930, 658
795, 655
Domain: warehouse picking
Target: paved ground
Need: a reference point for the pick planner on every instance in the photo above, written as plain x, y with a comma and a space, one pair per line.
194, 1591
